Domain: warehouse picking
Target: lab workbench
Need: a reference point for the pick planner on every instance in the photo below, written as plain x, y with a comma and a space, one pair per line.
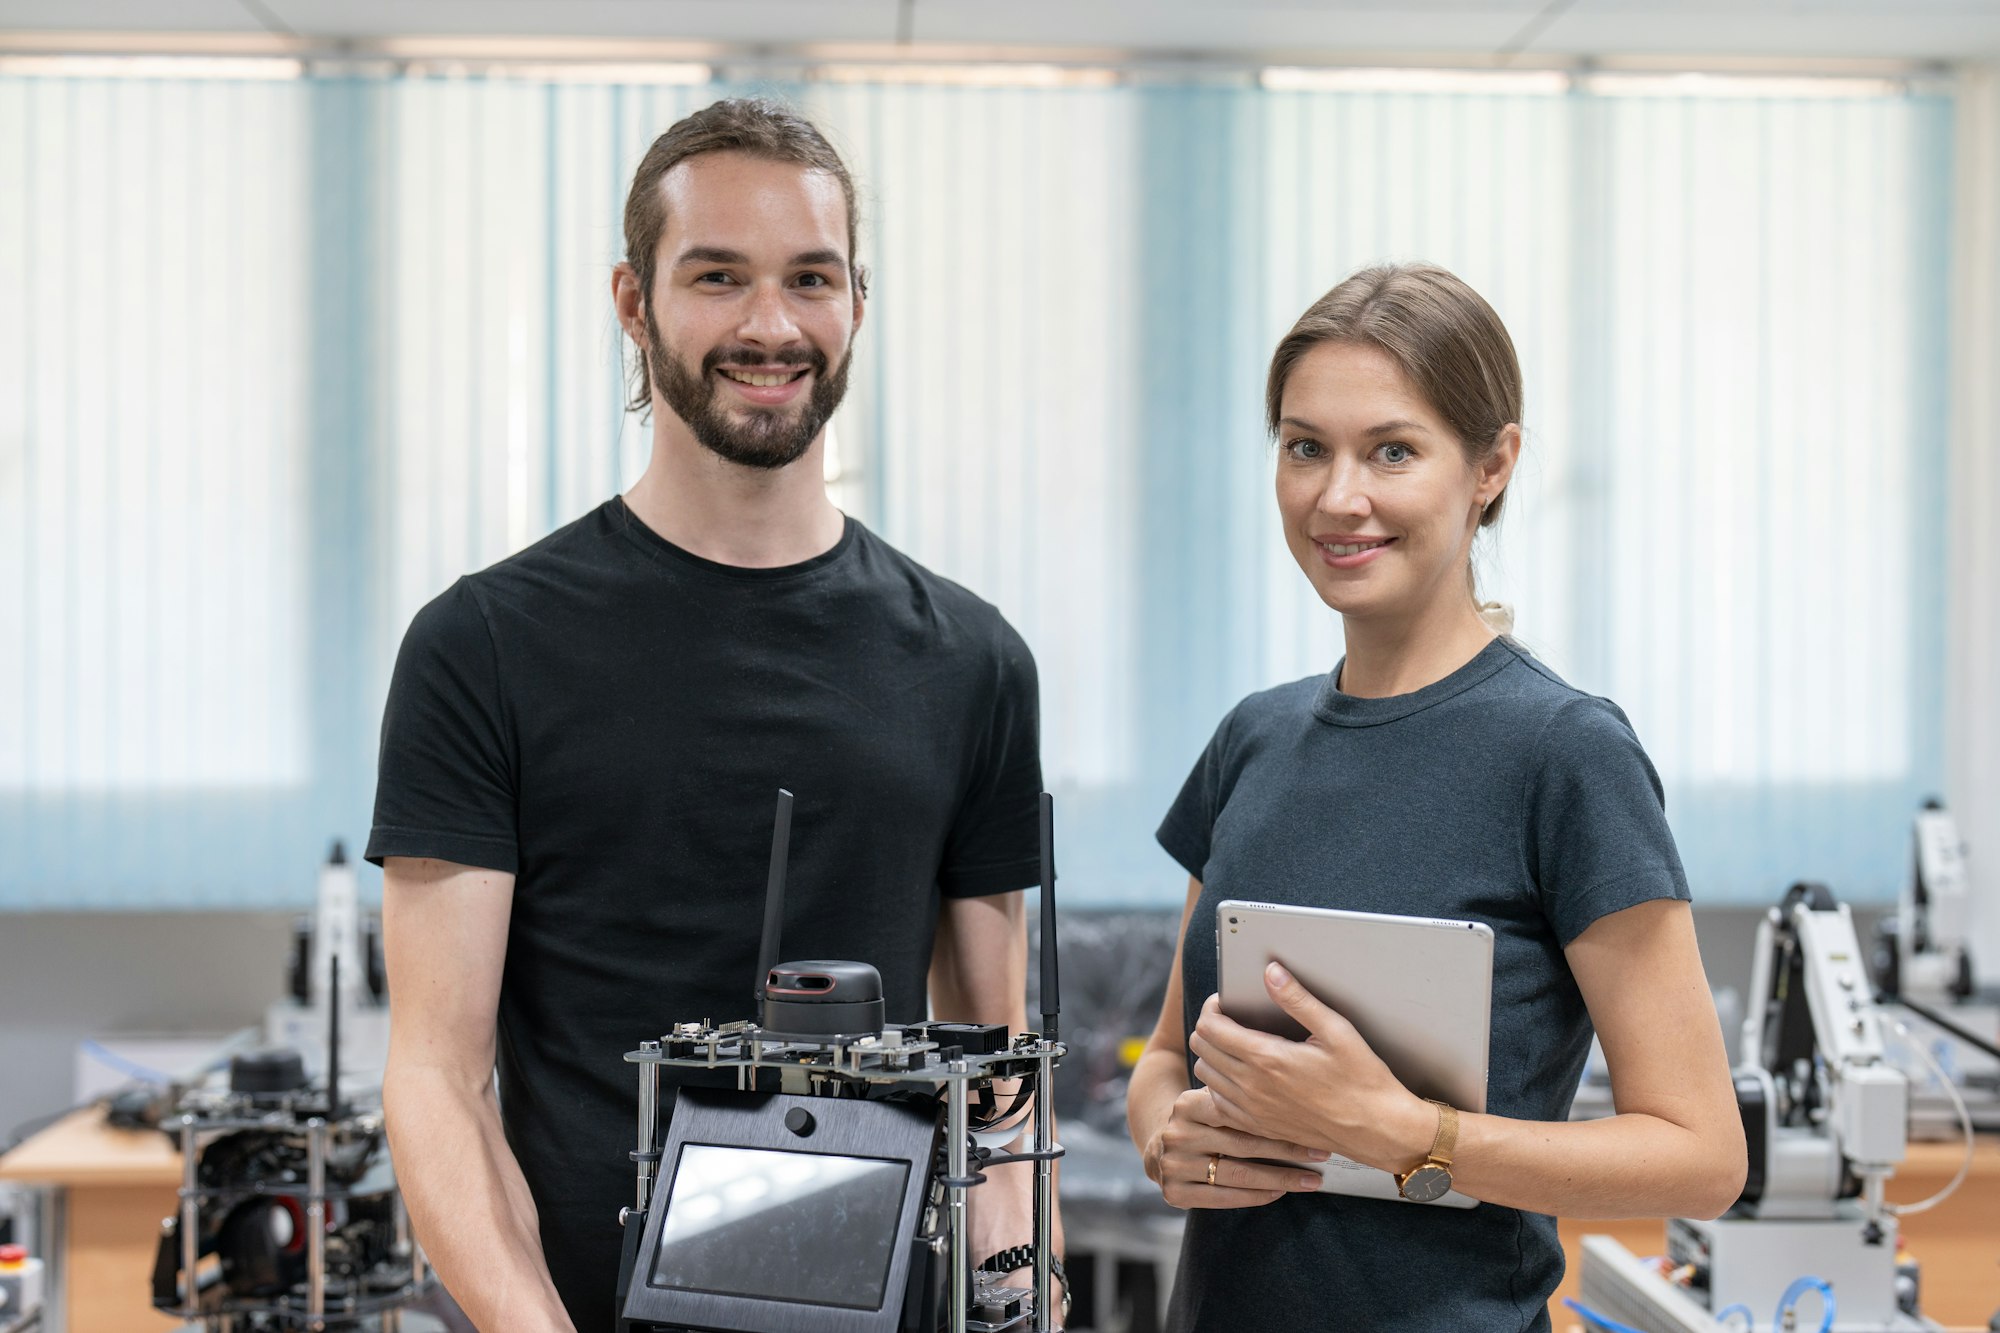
1957, 1243
107, 1191
110, 1188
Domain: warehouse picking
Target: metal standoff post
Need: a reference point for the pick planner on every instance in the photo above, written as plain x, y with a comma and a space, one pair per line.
956, 1166
190, 1215
649, 1099
316, 1224
1045, 1195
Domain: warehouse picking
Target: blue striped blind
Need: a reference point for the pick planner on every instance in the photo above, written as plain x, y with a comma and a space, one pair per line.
279, 359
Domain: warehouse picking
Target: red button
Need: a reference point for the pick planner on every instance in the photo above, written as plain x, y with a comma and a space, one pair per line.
13, 1256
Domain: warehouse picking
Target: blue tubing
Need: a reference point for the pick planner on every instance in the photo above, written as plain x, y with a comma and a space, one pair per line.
110, 1059
1800, 1288
1601, 1321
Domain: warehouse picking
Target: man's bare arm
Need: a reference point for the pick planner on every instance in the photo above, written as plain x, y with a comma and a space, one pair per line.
979, 974
445, 937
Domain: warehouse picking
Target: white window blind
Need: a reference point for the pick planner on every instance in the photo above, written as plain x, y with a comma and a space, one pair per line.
280, 359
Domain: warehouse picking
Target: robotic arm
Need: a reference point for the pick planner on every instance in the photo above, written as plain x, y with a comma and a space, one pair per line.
1826, 1114
1928, 951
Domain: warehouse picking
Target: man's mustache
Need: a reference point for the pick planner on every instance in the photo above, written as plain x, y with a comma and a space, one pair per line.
810, 359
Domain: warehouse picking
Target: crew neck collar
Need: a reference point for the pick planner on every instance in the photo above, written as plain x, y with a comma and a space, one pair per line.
1349, 710
654, 544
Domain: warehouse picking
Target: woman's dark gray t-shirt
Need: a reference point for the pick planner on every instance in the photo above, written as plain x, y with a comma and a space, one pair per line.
1498, 794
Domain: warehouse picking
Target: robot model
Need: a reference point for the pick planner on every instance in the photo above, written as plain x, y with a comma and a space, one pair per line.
828, 1190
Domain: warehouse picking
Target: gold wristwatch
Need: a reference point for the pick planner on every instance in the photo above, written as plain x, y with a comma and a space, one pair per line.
1430, 1180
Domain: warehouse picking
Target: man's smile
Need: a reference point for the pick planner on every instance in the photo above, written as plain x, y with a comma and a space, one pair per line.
764, 379
773, 385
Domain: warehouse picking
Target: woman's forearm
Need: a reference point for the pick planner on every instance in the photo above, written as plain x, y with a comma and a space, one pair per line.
1158, 1078
1621, 1166
1673, 1152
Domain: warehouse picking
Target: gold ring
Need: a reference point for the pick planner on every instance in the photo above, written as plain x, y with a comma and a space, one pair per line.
1213, 1159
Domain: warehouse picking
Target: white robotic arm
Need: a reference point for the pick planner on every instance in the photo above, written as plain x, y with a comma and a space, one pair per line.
1934, 915
1834, 1110
1825, 1116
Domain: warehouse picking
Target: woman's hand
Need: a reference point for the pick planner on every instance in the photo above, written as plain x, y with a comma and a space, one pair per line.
1329, 1089
1180, 1156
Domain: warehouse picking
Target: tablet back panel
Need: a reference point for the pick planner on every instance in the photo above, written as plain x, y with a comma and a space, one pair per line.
1418, 989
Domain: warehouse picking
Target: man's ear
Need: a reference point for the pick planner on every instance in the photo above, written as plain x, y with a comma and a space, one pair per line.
859, 275
628, 298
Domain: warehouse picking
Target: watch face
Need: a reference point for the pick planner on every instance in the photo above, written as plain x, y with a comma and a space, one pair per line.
1427, 1183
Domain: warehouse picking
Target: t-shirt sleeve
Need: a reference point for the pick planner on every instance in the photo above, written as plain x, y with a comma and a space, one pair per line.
1597, 821
995, 841
445, 788
1188, 830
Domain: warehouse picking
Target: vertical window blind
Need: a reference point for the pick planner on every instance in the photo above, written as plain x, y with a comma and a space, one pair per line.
280, 358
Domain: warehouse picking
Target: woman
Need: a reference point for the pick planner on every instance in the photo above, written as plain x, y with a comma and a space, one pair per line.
1439, 771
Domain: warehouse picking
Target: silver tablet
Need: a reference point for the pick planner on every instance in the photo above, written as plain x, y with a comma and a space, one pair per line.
1418, 989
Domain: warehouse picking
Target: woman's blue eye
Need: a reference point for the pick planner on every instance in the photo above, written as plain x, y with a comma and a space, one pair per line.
1303, 448
1394, 452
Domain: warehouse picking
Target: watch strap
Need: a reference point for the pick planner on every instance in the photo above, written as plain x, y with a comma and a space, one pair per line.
1437, 1161
1007, 1260
1020, 1256
1446, 1141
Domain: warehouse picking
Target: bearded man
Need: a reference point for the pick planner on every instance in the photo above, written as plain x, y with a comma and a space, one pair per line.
583, 743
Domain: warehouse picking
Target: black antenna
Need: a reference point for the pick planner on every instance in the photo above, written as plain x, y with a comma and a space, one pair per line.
333, 1035
774, 893
1051, 999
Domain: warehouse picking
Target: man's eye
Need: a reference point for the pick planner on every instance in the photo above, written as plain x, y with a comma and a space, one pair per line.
717, 277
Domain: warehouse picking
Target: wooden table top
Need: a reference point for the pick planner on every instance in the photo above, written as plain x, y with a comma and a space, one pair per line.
82, 1149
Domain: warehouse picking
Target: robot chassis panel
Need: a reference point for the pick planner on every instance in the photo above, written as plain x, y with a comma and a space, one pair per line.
919, 1058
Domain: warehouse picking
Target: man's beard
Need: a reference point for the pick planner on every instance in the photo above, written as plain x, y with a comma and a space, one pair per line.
755, 437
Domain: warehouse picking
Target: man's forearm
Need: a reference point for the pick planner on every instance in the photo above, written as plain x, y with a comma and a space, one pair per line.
1008, 1201
979, 970
469, 1203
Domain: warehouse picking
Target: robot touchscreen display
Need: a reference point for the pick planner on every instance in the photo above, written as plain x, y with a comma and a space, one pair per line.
802, 1228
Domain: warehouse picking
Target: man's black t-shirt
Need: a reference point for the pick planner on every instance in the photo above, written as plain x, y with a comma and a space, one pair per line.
609, 718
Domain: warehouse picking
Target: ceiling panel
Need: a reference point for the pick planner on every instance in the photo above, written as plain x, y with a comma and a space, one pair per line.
781, 22
1137, 16
128, 16
1914, 32
1802, 10
1185, 27
1263, 29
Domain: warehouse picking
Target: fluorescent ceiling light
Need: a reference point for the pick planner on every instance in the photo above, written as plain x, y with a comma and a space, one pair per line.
1387, 79
579, 71
994, 75
1736, 85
